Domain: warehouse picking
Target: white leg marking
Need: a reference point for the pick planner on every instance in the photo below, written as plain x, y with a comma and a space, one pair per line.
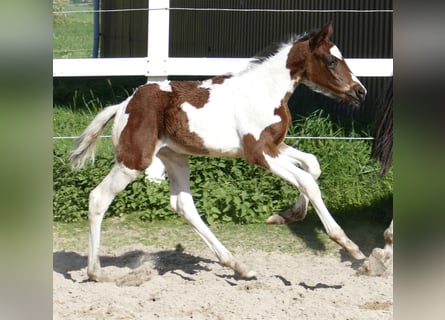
305, 182
182, 201
99, 201
309, 163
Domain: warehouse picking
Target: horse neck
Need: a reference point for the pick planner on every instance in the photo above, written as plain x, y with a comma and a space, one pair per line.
271, 76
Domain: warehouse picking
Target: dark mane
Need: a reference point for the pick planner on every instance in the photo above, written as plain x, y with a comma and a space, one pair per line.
267, 52
305, 35
273, 48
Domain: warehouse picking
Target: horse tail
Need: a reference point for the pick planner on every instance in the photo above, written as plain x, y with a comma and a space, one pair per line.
86, 144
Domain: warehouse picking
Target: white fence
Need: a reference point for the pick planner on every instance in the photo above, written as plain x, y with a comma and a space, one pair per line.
158, 65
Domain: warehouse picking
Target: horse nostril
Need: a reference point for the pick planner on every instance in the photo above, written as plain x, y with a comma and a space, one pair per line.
361, 93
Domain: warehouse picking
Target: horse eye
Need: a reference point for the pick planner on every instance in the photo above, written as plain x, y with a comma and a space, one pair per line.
331, 62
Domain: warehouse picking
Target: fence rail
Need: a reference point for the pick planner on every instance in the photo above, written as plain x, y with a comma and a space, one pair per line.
188, 67
158, 65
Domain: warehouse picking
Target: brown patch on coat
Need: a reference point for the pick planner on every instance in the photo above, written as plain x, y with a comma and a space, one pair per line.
270, 138
138, 139
152, 114
189, 91
296, 59
219, 79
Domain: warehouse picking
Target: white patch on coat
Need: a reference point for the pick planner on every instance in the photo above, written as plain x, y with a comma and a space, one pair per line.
164, 85
241, 105
206, 84
336, 52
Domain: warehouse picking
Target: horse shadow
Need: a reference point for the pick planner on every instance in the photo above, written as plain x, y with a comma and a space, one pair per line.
363, 225
65, 262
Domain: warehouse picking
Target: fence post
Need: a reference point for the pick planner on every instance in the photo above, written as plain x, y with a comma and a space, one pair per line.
158, 38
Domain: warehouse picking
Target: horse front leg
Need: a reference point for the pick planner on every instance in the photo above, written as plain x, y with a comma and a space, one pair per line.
283, 166
309, 163
182, 202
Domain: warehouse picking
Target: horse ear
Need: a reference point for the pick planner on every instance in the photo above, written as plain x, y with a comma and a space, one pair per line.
325, 34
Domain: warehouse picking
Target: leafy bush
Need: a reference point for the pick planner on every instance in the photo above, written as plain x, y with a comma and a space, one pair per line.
229, 190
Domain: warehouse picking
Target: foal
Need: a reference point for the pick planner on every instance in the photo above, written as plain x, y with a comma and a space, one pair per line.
244, 115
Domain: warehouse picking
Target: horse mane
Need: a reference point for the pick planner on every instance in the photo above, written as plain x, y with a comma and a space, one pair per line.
305, 35
273, 48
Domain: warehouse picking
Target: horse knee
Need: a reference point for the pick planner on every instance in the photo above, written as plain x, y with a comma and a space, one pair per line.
183, 204
94, 203
99, 200
313, 166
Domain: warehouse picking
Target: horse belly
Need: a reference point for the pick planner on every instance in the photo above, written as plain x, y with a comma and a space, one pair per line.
216, 128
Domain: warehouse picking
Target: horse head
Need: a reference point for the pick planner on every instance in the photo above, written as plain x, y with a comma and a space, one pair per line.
316, 61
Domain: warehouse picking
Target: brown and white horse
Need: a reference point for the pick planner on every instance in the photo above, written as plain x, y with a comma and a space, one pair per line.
244, 115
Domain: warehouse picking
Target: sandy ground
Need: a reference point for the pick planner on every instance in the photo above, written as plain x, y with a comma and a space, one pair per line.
153, 283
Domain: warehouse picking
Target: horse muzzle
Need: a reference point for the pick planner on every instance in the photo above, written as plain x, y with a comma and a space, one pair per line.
357, 94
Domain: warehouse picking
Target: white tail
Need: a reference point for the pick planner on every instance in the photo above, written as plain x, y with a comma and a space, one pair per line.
86, 144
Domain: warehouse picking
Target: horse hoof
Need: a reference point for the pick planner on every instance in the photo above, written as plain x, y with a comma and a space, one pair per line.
250, 275
98, 277
242, 271
276, 219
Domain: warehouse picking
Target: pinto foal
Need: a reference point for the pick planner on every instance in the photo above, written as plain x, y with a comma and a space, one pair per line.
244, 115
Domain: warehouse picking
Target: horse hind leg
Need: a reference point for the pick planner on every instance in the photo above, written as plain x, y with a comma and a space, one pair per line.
298, 211
99, 201
181, 201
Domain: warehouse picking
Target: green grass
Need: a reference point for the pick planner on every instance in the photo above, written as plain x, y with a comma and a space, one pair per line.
68, 123
304, 236
73, 33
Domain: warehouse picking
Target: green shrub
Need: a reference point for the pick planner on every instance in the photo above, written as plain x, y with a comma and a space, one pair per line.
228, 190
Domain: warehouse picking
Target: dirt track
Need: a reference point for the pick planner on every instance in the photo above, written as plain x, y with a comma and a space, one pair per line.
153, 283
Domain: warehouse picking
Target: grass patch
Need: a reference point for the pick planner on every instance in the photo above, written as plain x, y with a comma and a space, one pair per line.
305, 236
70, 123
73, 33
130, 230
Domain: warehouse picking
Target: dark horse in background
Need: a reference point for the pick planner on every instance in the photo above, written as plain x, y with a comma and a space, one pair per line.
380, 260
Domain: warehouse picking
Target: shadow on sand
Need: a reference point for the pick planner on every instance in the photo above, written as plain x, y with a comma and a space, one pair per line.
363, 225
164, 261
